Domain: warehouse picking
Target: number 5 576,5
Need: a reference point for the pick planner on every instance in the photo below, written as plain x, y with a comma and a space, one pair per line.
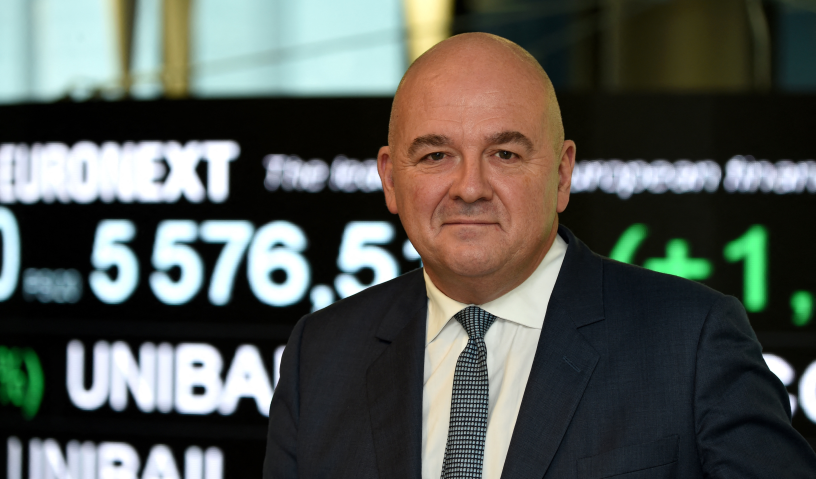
275, 246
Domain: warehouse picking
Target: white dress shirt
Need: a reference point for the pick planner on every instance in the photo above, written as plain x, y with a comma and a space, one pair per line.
511, 345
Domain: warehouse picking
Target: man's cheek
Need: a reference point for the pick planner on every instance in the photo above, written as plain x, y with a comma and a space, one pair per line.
425, 198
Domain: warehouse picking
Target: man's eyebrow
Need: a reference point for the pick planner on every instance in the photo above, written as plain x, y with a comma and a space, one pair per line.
427, 140
510, 137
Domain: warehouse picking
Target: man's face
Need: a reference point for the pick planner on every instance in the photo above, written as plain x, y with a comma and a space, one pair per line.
473, 173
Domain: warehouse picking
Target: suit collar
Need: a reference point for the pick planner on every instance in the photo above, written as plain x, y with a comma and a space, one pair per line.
394, 384
580, 283
563, 364
405, 307
523, 305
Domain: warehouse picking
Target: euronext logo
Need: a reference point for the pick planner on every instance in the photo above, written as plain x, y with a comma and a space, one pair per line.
21, 380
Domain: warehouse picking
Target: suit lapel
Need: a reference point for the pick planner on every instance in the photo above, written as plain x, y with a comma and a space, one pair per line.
562, 367
394, 386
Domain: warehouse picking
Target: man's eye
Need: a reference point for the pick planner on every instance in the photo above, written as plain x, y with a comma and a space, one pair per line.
437, 156
505, 155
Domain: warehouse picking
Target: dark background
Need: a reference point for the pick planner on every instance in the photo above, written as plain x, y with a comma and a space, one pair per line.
626, 127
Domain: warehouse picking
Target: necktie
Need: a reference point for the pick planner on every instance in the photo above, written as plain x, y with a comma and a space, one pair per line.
464, 452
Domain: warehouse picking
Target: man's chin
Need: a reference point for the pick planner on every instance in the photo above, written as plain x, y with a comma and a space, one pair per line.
471, 266
472, 234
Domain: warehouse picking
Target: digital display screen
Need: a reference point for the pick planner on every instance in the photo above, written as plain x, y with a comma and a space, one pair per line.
156, 255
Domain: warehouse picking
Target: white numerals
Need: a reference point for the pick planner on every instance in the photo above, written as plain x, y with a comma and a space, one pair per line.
171, 251
357, 252
179, 275
10, 235
278, 246
277, 270
108, 252
236, 236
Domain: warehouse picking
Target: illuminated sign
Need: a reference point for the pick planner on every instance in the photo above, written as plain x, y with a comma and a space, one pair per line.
291, 173
145, 171
275, 246
109, 460
21, 380
743, 174
185, 378
155, 265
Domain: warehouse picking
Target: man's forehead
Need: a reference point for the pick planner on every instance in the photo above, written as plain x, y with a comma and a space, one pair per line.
470, 93
478, 112
481, 123
450, 100
471, 83
468, 98
502, 137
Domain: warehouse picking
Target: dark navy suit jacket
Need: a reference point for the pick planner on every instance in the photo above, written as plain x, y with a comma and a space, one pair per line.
637, 375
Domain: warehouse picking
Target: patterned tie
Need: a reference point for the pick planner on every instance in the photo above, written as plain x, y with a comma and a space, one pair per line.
464, 452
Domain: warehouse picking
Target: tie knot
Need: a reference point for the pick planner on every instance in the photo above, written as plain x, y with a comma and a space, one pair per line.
475, 320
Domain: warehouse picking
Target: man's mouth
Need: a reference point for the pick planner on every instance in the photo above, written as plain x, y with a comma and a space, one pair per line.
469, 223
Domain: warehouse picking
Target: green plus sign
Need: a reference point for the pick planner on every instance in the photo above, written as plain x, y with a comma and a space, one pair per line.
678, 262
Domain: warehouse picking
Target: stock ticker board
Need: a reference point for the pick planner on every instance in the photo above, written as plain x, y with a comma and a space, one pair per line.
156, 255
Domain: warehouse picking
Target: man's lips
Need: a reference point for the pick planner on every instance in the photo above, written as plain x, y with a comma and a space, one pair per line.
468, 223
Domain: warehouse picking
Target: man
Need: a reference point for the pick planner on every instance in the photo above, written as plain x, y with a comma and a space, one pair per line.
516, 352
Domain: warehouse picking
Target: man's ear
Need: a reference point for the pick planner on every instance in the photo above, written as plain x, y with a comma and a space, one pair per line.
565, 167
385, 167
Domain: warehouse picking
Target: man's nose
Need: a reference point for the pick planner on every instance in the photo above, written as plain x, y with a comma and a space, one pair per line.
471, 182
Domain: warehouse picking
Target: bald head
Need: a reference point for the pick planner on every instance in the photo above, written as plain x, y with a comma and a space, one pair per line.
470, 55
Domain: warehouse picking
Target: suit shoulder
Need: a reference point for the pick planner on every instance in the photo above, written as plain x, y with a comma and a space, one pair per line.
367, 307
633, 283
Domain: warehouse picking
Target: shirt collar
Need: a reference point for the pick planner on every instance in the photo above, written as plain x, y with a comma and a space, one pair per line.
525, 305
